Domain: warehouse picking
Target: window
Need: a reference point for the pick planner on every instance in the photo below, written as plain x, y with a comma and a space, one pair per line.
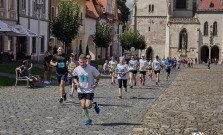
149, 28
211, 5
34, 45
215, 30
34, 5
183, 39
205, 28
181, 4
23, 4
43, 8
42, 44
11, 4
1, 4
1, 44
81, 19
52, 13
151, 8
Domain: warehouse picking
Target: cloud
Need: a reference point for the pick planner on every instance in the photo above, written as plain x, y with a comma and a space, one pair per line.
129, 4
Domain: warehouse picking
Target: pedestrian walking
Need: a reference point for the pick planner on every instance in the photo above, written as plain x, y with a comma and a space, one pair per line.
191, 62
46, 68
71, 64
209, 64
168, 65
122, 70
84, 76
150, 71
59, 61
156, 68
188, 62
143, 65
133, 65
178, 62
112, 65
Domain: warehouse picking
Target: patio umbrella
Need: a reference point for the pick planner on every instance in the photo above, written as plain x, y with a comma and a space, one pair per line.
8, 30
25, 31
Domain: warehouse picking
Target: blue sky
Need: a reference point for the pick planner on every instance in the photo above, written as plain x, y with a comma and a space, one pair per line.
129, 4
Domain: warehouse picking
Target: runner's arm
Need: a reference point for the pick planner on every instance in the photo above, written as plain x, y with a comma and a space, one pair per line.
52, 63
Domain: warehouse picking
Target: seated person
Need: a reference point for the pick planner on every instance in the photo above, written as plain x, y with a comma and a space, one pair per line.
25, 72
105, 66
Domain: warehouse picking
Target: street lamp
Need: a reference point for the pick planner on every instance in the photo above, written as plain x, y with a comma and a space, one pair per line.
38, 7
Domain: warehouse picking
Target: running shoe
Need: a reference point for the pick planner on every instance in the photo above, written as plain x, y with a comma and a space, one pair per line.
46, 82
97, 109
140, 81
88, 122
71, 95
166, 79
143, 84
119, 97
126, 89
111, 83
156, 83
131, 87
169, 76
114, 82
135, 83
65, 96
61, 100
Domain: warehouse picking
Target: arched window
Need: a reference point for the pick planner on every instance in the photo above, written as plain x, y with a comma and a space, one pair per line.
215, 29
181, 4
205, 28
183, 39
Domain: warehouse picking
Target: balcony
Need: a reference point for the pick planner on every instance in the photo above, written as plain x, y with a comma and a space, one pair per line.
184, 21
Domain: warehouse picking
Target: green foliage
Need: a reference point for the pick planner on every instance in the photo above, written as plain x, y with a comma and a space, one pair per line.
124, 9
65, 26
132, 39
103, 35
80, 49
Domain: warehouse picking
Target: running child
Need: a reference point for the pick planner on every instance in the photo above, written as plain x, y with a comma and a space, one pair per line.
112, 65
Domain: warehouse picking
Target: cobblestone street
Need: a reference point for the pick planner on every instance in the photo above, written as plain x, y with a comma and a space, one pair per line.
193, 102
37, 111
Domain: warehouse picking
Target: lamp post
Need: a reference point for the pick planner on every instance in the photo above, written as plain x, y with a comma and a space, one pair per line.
38, 7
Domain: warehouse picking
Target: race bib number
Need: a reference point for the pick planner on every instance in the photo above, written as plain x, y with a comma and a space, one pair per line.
121, 70
112, 67
142, 68
132, 65
83, 78
72, 67
157, 64
61, 64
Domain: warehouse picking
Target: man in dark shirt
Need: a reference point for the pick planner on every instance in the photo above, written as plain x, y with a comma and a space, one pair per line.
59, 61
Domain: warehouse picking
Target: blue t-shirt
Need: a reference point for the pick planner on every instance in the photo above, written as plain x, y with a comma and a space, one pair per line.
168, 63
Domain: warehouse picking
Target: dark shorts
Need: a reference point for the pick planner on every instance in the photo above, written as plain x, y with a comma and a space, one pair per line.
70, 80
157, 71
150, 69
89, 96
46, 68
61, 77
133, 71
168, 70
143, 72
111, 71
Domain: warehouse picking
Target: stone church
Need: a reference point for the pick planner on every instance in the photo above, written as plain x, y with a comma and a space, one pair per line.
180, 28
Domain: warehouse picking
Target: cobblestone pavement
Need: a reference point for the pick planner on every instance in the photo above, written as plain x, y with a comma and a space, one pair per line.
37, 111
193, 102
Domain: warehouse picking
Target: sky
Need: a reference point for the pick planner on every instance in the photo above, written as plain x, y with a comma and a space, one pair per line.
129, 4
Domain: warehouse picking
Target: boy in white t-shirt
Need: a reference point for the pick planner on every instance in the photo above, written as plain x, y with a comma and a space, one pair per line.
84, 76
143, 65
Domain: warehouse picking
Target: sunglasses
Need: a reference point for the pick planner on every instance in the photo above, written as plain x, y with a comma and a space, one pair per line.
71, 56
88, 58
132, 57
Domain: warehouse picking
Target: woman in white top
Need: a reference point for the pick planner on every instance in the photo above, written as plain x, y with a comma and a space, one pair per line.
122, 70
133, 65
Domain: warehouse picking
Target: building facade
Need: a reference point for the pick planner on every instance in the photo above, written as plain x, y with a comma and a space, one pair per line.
185, 28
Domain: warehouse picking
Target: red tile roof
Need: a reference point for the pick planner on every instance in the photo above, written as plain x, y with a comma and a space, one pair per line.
90, 10
104, 3
205, 5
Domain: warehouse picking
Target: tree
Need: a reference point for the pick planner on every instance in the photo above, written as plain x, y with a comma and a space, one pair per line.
124, 10
87, 50
65, 26
103, 35
132, 38
80, 50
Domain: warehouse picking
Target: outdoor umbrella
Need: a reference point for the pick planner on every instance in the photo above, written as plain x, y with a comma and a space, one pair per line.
8, 30
25, 31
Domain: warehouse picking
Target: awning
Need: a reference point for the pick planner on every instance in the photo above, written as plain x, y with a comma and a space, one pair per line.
7, 30
25, 31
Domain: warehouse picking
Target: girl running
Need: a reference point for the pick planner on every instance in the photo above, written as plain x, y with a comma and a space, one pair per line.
150, 71
133, 65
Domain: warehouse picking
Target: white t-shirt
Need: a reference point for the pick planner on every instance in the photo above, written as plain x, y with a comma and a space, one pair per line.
113, 65
121, 69
143, 65
86, 78
157, 64
133, 64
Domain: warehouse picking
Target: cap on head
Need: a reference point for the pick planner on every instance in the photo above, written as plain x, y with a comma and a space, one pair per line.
143, 55
113, 57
